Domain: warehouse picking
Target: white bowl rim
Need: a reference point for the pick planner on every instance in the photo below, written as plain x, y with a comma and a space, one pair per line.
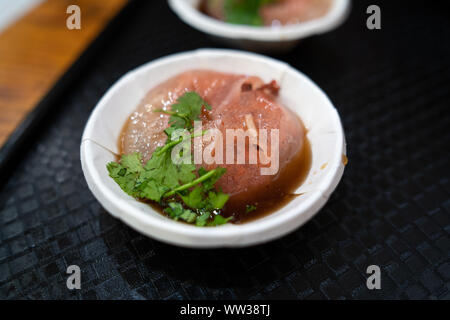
228, 235
332, 19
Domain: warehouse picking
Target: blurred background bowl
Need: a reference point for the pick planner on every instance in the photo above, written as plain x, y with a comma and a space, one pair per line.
263, 39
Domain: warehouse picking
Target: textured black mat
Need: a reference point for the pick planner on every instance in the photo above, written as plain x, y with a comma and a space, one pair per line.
392, 208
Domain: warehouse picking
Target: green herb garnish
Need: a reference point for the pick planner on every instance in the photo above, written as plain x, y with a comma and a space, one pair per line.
250, 208
184, 193
244, 11
185, 111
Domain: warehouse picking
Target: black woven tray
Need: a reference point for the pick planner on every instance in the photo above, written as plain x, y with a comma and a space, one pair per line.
392, 207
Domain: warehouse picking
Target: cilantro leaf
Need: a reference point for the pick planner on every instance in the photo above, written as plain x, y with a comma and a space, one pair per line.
202, 219
194, 199
186, 173
126, 172
162, 169
203, 178
190, 104
218, 172
188, 216
175, 210
168, 131
151, 190
124, 178
133, 162
185, 111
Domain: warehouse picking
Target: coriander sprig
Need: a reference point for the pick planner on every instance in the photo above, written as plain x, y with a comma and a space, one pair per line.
186, 110
191, 184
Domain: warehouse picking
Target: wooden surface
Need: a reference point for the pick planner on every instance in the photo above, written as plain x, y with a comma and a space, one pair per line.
37, 49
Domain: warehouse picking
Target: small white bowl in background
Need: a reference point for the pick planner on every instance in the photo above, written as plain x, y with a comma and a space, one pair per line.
325, 134
267, 39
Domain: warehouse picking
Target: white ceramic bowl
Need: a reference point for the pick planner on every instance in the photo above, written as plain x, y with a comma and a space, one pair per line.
259, 38
325, 133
